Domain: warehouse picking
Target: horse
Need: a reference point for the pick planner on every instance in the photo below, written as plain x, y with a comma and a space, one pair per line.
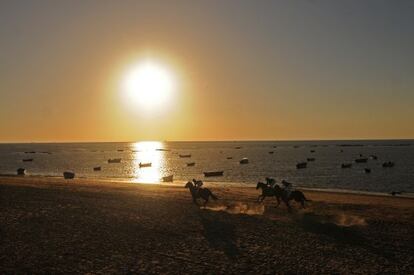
267, 191
199, 192
280, 194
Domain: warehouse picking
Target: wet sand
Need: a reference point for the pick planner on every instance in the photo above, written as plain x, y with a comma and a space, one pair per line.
51, 225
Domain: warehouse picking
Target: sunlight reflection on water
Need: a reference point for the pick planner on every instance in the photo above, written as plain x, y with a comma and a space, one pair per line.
146, 152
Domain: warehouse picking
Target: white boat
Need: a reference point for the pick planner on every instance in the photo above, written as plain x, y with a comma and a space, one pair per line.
244, 161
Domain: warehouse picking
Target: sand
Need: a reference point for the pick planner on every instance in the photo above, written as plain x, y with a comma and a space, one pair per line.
51, 225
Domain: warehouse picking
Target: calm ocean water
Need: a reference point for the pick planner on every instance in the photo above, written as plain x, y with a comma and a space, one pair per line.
325, 172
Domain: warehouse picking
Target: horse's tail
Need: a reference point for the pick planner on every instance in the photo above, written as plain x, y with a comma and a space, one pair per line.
213, 196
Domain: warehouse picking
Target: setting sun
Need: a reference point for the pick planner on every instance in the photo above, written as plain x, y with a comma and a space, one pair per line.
148, 84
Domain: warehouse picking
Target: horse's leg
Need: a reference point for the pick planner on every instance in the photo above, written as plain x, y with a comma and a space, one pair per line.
288, 205
302, 202
278, 201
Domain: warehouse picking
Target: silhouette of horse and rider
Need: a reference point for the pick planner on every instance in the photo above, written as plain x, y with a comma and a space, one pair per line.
286, 194
199, 192
269, 189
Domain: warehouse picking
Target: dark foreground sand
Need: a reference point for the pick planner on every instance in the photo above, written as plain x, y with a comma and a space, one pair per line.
56, 226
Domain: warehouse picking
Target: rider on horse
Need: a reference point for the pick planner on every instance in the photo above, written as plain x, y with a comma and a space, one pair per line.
287, 187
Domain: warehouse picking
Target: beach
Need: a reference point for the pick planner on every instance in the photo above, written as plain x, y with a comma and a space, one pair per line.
51, 225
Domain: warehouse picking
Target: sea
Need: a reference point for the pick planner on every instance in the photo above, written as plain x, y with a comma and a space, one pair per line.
276, 159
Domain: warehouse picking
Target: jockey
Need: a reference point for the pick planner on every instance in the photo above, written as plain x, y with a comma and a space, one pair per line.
197, 183
287, 187
270, 182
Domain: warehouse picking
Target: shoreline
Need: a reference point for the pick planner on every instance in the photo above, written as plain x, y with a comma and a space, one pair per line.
407, 195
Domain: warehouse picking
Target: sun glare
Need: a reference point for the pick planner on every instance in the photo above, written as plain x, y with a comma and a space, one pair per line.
148, 84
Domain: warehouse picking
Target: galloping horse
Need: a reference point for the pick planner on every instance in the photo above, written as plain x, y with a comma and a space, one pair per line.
279, 193
199, 192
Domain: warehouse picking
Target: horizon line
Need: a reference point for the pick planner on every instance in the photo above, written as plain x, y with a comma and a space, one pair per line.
224, 140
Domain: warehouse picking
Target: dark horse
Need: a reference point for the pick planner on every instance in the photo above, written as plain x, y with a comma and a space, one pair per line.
280, 194
199, 192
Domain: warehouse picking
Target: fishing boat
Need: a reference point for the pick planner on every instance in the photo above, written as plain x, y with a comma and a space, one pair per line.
346, 165
68, 175
98, 168
271, 152
361, 160
120, 150
145, 164
388, 164
114, 160
237, 147
310, 159
367, 170
190, 163
168, 178
301, 165
21, 172
213, 173
185, 155
229, 157
162, 149
26, 160
244, 161
312, 151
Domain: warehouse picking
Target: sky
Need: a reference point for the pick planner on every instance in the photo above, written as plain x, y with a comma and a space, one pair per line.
244, 70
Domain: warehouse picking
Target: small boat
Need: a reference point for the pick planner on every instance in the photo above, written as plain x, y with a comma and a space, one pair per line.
237, 147
145, 164
388, 164
190, 163
185, 155
296, 146
312, 151
98, 168
361, 160
274, 146
301, 165
68, 175
374, 157
162, 149
168, 178
26, 160
244, 161
30, 152
21, 172
120, 150
346, 165
271, 152
229, 157
310, 159
367, 170
213, 173
114, 160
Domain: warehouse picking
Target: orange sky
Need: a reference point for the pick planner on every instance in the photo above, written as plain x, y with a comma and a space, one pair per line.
245, 71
